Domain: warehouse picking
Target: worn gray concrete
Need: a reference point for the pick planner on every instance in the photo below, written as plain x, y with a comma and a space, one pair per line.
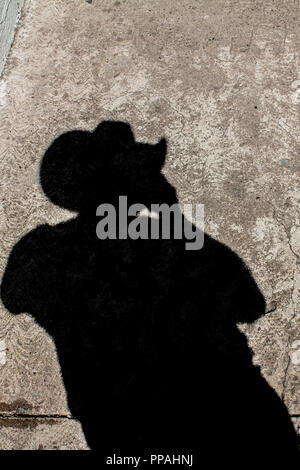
10, 11
221, 80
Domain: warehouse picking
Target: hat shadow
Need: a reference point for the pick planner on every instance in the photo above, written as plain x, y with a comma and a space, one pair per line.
146, 331
81, 169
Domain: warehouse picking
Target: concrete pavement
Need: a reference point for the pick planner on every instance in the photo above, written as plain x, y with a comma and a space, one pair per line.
221, 81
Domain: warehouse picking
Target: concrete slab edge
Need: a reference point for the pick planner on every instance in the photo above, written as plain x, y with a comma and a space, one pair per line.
10, 12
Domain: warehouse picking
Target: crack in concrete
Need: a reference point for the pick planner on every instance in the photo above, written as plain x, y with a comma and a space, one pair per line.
33, 416
288, 236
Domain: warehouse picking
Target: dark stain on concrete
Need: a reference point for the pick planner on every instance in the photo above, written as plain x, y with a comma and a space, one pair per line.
25, 423
15, 406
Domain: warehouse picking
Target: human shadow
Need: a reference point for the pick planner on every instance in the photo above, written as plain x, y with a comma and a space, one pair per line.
145, 330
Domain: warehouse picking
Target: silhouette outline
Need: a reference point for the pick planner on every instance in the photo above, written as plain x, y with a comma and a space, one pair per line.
145, 331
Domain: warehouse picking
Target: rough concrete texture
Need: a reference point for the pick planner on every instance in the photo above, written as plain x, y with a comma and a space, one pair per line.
219, 79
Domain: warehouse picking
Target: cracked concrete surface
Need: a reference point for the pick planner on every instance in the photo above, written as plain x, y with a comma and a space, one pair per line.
219, 79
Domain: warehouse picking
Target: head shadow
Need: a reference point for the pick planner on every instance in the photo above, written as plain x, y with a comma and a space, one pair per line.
146, 332
82, 169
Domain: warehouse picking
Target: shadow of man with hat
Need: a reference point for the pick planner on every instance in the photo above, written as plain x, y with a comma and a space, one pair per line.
146, 331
